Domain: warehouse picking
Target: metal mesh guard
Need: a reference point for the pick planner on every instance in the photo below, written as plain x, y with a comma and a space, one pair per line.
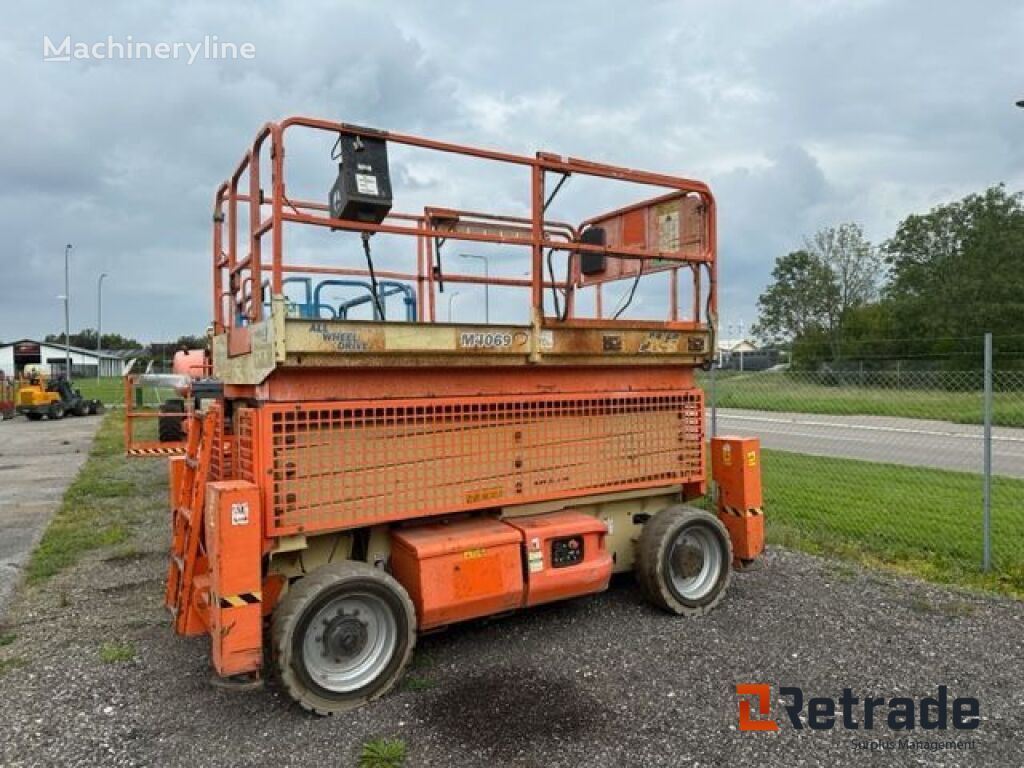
346, 464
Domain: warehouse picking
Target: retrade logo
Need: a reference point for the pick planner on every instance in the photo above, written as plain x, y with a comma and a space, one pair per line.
762, 693
850, 712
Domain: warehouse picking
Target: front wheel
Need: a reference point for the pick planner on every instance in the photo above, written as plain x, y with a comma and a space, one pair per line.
56, 411
683, 560
342, 636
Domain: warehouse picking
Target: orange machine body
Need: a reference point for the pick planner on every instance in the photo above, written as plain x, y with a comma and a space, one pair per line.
736, 469
565, 555
464, 568
233, 541
458, 570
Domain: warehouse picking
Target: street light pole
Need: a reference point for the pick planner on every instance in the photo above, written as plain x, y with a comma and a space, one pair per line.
487, 286
451, 298
67, 312
99, 322
743, 341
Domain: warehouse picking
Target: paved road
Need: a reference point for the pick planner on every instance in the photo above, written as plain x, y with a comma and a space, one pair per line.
38, 460
915, 442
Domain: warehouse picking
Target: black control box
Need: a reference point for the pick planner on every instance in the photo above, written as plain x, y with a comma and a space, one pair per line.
593, 263
363, 189
566, 552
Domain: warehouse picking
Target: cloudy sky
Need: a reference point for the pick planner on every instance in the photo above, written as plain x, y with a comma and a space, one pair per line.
799, 115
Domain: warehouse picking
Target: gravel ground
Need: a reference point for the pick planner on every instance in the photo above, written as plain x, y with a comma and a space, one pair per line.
600, 681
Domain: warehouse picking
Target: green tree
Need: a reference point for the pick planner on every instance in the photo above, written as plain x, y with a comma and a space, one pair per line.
956, 270
86, 339
798, 301
856, 268
192, 342
815, 291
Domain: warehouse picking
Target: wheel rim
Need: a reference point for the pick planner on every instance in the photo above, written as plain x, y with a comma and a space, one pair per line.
695, 562
349, 642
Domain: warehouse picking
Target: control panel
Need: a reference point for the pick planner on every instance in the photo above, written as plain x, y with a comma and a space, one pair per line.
566, 552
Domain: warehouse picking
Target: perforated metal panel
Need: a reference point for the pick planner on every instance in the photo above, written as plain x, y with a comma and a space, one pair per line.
345, 464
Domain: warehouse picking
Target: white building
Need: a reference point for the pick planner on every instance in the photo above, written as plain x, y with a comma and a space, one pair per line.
15, 355
728, 347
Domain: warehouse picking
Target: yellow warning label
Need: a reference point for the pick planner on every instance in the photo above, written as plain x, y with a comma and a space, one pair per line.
727, 455
472, 497
474, 554
751, 458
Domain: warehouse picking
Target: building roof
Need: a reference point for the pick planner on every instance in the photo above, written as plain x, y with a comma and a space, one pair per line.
111, 355
736, 345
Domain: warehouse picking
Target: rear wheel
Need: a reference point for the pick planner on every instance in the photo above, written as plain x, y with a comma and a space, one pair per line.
342, 636
33, 416
80, 408
171, 428
95, 407
683, 560
56, 411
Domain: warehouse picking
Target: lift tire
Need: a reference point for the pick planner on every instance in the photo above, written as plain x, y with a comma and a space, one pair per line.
81, 408
95, 408
683, 560
56, 411
342, 636
171, 429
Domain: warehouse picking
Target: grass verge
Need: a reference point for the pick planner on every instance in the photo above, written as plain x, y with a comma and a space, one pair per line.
109, 391
920, 521
109, 494
801, 394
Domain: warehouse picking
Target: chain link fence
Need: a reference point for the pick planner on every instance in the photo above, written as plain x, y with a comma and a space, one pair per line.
888, 465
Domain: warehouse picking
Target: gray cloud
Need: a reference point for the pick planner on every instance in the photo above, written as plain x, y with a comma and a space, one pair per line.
799, 115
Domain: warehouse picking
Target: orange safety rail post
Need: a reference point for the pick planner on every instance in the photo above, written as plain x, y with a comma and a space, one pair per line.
237, 279
133, 416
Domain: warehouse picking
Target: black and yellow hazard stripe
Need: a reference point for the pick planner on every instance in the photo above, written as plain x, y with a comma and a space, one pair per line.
239, 600
155, 451
750, 512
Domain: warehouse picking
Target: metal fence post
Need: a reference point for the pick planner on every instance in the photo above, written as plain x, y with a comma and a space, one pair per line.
986, 562
714, 401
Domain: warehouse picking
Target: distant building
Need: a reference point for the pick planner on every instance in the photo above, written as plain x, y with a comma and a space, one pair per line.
15, 355
744, 355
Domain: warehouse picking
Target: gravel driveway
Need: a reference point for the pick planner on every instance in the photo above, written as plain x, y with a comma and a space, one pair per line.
601, 681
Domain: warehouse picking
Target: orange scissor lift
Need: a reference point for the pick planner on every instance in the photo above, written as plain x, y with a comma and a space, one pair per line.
367, 479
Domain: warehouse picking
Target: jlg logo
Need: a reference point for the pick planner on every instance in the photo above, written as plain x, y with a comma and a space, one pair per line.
821, 713
763, 694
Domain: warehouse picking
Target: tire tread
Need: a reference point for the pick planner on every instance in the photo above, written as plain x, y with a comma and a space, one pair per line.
650, 565
289, 611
